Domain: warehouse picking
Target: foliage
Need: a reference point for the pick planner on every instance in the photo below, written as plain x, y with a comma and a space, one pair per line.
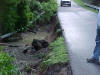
93, 2
58, 53
17, 14
96, 2
24, 15
43, 0
48, 7
81, 3
36, 8
58, 31
6, 66
8, 15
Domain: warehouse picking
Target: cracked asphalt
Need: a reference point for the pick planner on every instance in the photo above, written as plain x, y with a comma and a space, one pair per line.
79, 25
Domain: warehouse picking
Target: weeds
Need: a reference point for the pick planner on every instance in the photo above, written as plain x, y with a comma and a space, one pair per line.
81, 3
17, 14
58, 53
6, 64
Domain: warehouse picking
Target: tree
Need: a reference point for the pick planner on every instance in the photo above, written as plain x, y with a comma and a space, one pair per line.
8, 15
23, 12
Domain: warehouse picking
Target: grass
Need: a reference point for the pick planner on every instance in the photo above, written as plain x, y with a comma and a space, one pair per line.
81, 3
57, 55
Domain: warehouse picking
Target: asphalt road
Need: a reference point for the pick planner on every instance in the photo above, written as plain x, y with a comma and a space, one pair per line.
79, 27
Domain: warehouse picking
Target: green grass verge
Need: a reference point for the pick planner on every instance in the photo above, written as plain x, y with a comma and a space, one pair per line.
81, 3
57, 55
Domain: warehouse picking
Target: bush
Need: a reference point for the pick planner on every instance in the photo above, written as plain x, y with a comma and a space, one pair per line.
81, 3
36, 8
9, 16
24, 15
6, 66
15, 15
49, 7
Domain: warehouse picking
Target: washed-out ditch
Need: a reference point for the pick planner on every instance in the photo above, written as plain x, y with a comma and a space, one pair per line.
31, 48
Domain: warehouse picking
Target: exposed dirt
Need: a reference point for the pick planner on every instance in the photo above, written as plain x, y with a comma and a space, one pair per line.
28, 63
57, 69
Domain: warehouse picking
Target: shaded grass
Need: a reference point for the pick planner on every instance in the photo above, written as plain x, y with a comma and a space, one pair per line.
57, 55
81, 3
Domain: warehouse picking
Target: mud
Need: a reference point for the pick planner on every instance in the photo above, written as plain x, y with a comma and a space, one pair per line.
29, 63
57, 69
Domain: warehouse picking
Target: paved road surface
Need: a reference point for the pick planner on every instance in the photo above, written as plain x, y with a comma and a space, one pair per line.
79, 27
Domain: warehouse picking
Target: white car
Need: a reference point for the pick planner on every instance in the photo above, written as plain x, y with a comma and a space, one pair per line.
66, 2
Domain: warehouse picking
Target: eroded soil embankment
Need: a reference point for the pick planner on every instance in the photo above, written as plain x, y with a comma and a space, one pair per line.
29, 62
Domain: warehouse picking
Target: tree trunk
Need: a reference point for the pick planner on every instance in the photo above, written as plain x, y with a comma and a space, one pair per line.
1, 13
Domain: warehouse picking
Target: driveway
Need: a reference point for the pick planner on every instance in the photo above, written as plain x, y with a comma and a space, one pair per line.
79, 27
